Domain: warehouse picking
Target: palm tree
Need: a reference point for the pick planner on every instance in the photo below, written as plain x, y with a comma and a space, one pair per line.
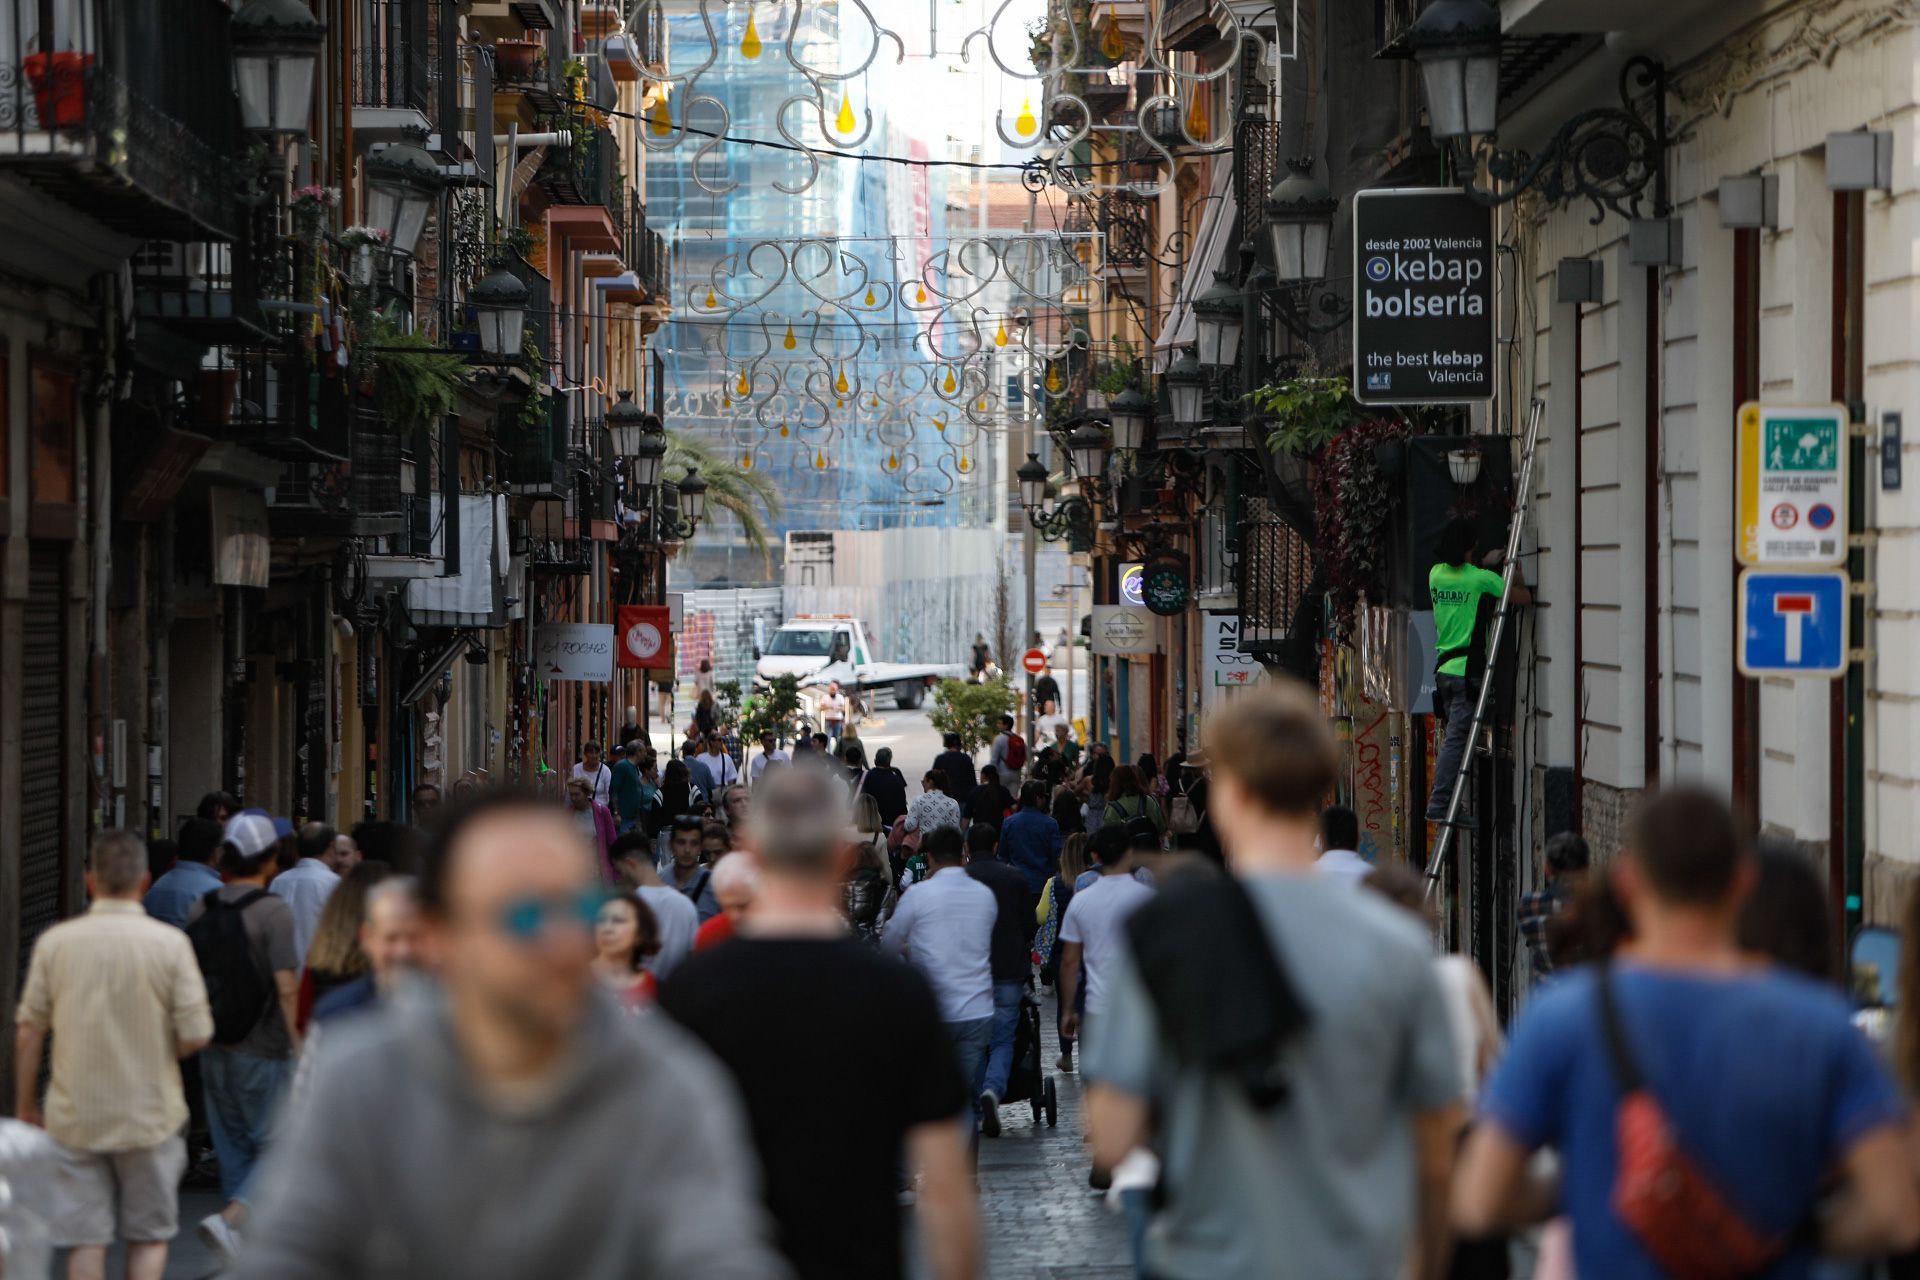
747, 494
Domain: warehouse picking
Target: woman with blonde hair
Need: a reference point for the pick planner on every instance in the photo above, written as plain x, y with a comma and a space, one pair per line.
1051, 911
869, 886
334, 957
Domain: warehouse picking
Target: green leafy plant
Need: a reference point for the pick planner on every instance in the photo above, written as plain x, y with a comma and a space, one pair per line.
727, 693
772, 712
520, 239
972, 710
1120, 373
1308, 412
414, 383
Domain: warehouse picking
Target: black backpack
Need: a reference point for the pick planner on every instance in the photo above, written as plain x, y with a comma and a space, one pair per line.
237, 991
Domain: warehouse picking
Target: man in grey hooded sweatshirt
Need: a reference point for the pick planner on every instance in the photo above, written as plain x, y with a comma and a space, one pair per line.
510, 1121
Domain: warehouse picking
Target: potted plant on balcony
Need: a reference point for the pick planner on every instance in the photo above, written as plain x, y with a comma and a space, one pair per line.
1112, 376
60, 81
414, 383
359, 242
517, 59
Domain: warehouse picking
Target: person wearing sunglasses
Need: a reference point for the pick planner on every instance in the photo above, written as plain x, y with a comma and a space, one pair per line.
502, 1137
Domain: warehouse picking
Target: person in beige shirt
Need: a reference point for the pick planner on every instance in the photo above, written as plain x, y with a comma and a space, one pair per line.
123, 998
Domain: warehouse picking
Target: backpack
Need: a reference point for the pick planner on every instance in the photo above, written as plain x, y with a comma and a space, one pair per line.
237, 992
1185, 818
1016, 751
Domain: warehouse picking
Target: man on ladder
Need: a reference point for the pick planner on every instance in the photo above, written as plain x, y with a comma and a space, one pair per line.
1457, 585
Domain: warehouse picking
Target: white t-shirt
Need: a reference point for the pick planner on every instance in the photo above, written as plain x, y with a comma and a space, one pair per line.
759, 765
725, 772
1043, 729
602, 781
833, 707
1096, 919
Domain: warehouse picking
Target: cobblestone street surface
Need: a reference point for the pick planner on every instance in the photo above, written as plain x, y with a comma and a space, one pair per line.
1040, 1220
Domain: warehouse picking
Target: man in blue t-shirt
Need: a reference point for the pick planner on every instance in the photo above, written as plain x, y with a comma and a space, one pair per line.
1770, 1091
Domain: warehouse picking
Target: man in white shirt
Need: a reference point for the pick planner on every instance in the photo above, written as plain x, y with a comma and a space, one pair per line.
1093, 931
1339, 834
769, 752
833, 714
719, 763
595, 770
1046, 728
308, 884
944, 925
673, 911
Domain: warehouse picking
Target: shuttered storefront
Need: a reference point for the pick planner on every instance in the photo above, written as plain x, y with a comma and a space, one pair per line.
43, 715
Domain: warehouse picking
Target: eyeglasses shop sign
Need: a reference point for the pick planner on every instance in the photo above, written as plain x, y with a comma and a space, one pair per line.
1423, 312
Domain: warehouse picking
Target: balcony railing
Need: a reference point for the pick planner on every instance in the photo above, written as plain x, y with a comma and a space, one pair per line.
1127, 227
276, 401
125, 107
587, 172
534, 456
646, 251
394, 62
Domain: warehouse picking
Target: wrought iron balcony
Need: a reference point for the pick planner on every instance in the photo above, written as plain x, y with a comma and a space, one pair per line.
394, 63
1126, 224
126, 109
277, 401
587, 172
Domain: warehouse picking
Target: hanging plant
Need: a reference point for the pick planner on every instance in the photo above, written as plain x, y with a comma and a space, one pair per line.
1308, 412
534, 410
1351, 504
414, 383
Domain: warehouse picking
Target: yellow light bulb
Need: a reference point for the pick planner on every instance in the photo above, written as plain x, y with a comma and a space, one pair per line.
788, 342
950, 384
746, 462
750, 42
1026, 123
874, 403
840, 384
1112, 45
725, 402
783, 431
939, 424
982, 405
845, 122
966, 464
893, 462
742, 389
999, 335
839, 404
1053, 378
820, 462
919, 293
869, 295
712, 301
661, 120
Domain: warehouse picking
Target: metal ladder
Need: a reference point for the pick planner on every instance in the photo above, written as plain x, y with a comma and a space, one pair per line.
1523, 494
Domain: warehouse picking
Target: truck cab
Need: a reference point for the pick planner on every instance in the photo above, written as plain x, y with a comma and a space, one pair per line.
820, 647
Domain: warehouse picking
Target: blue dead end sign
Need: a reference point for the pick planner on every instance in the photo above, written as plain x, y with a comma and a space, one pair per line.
1793, 624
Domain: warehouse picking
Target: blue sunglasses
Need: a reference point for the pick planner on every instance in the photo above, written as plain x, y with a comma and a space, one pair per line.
525, 919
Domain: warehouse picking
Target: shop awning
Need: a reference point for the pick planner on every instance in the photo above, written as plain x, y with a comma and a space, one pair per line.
474, 594
1214, 250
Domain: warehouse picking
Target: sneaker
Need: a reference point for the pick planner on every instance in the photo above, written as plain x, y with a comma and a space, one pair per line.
990, 1113
221, 1239
1065, 1061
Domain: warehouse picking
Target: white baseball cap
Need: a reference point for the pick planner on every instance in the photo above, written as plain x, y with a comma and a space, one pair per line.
252, 834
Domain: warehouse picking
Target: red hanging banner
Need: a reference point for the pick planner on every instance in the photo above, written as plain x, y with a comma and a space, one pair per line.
645, 636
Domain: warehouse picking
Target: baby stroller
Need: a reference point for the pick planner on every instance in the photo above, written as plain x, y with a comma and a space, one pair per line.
1026, 1081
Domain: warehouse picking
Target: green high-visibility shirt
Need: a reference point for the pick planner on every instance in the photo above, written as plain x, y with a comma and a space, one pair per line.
1456, 593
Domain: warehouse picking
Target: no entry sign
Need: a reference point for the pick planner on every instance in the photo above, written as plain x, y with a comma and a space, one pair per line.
1033, 661
1423, 314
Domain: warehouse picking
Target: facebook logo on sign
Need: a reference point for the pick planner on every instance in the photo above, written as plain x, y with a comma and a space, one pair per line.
1793, 624
1380, 381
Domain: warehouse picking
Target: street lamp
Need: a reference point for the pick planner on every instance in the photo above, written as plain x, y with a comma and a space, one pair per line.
1457, 44
402, 184
1186, 389
1131, 412
1217, 319
1300, 219
500, 310
276, 44
1087, 445
693, 498
1033, 483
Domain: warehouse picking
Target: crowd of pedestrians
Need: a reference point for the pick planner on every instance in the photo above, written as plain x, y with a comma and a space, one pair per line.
674, 1022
